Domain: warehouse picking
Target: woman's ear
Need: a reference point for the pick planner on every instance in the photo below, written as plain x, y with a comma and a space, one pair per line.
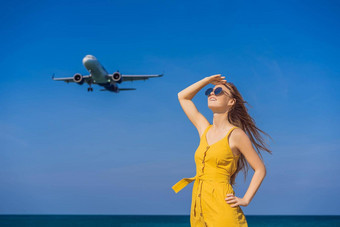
233, 101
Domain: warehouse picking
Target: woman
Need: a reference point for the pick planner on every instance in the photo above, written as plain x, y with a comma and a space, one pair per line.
224, 150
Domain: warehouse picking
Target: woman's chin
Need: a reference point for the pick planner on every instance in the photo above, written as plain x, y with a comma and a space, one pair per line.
214, 103
215, 107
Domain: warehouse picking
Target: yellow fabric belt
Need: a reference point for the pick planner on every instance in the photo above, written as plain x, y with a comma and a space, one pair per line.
207, 177
203, 177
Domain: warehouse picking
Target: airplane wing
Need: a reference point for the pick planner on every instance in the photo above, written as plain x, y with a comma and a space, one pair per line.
138, 77
70, 79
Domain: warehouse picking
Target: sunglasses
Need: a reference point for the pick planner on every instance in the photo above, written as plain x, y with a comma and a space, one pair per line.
217, 91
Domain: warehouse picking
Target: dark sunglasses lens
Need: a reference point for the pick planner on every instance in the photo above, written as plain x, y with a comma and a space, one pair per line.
208, 91
218, 91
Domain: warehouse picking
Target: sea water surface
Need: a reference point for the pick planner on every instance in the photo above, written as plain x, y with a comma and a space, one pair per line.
160, 220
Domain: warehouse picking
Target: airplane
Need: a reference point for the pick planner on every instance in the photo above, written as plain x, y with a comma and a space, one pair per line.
99, 75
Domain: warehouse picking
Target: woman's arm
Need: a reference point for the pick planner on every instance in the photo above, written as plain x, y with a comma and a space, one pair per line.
185, 96
244, 145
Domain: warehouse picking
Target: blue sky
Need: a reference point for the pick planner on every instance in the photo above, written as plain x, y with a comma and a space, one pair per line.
67, 151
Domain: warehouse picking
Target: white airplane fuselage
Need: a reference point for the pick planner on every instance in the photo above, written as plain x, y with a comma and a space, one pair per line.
97, 71
100, 76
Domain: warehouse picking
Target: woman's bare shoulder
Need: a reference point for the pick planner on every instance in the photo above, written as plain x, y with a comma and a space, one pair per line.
239, 136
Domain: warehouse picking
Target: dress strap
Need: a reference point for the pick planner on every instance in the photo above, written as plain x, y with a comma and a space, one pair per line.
231, 131
205, 131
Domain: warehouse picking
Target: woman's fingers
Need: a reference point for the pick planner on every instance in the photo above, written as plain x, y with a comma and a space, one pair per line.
216, 76
220, 78
230, 199
217, 79
234, 201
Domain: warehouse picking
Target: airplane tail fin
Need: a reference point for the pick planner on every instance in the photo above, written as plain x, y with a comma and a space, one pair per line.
120, 89
126, 89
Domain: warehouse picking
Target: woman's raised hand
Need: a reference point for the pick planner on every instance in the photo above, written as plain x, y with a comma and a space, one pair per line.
216, 79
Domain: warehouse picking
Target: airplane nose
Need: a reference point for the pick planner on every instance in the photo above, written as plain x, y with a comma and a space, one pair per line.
88, 61
88, 58
85, 59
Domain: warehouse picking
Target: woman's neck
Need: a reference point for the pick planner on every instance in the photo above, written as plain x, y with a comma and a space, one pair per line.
220, 121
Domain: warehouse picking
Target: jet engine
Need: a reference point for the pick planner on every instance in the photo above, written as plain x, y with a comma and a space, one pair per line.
117, 77
78, 78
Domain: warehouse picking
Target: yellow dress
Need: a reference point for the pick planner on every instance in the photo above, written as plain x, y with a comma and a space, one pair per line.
215, 164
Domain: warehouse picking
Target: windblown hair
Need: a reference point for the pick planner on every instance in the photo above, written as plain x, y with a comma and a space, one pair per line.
238, 115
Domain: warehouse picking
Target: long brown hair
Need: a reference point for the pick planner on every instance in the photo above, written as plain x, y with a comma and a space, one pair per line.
238, 115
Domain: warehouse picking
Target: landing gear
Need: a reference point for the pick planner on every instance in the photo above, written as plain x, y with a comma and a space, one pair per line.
89, 88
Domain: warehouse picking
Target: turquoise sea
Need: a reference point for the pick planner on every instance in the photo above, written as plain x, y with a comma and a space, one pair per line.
159, 220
